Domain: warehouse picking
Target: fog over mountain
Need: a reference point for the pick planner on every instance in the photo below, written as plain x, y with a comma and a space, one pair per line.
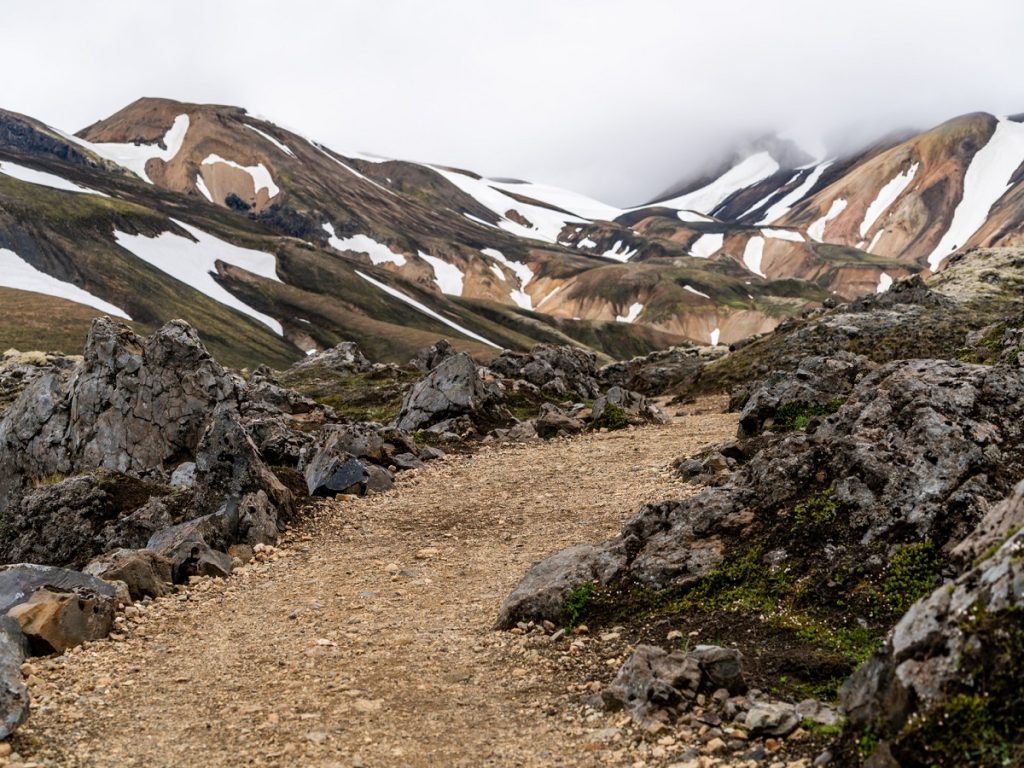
619, 100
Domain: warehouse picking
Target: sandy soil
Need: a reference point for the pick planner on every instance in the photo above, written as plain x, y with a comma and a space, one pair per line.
366, 638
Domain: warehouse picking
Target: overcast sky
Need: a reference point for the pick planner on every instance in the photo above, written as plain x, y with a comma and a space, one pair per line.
616, 98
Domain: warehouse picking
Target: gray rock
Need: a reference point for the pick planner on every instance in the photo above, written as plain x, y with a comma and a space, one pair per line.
428, 358
638, 408
14, 698
651, 679
195, 547
329, 475
184, 476
378, 479
771, 719
345, 358
562, 370
553, 421
723, 667
146, 573
19, 581
453, 388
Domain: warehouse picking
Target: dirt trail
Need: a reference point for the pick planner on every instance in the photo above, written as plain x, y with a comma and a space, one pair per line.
366, 638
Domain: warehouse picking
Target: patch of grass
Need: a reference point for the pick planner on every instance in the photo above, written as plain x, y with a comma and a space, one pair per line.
963, 730
578, 604
790, 416
612, 417
911, 574
819, 510
373, 396
821, 730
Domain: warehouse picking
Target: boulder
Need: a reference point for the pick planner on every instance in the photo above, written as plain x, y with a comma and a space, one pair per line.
332, 473
768, 718
428, 358
14, 698
636, 408
722, 667
146, 573
345, 358
655, 373
451, 389
195, 547
561, 370
553, 421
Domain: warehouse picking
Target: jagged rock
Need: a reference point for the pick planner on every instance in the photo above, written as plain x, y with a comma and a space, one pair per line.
652, 678
562, 370
818, 386
767, 718
723, 667
655, 373
345, 358
952, 662
916, 454
330, 474
452, 389
190, 547
145, 573
428, 358
817, 712
184, 475
70, 521
19, 369
14, 698
553, 421
637, 408
60, 620
57, 608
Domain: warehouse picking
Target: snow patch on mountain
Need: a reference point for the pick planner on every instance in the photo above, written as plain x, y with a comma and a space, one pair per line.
448, 277
884, 283
424, 309
44, 179
546, 224
693, 290
15, 272
817, 229
568, 201
203, 189
715, 335
283, 147
378, 252
690, 216
135, 156
620, 252
194, 262
752, 255
985, 181
633, 313
586, 242
781, 207
261, 177
751, 170
783, 234
707, 244
521, 270
887, 196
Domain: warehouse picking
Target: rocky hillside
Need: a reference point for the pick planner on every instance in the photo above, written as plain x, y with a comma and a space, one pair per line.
273, 245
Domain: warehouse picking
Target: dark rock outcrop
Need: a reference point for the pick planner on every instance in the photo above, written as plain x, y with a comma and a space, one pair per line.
454, 388
144, 572
428, 358
561, 370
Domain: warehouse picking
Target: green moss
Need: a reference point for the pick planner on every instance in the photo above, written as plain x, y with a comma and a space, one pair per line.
819, 510
823, 731
791, 416
963, 730
911, 574
612, 417
577, 604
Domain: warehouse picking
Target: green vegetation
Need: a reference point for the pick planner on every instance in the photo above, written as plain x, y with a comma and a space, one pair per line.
823, 731
373, 396
962, 730
791, 416
612, 417
911, 574
578, 603
819, 510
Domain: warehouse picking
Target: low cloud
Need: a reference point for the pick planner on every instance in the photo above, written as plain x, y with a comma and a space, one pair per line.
616, 99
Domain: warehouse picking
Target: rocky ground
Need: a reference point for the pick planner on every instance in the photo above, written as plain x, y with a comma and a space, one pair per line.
367, 638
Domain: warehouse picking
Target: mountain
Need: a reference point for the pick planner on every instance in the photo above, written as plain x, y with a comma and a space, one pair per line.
273, 245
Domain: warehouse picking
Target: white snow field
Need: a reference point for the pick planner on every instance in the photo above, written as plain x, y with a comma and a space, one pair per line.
887, 196
817, 229
781, 207
752, 255
620, 252
448, 277
753, 169
986, 180
521, 270
632, 314
378, 252
283, 147
135, 156
424, 309
195, 262
783, 234
15, 272
715, 334
44, 179
884, 282
203, 189
693, 290
706, 244
261, 177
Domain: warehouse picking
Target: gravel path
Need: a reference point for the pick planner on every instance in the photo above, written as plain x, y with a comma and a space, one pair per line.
366, 638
